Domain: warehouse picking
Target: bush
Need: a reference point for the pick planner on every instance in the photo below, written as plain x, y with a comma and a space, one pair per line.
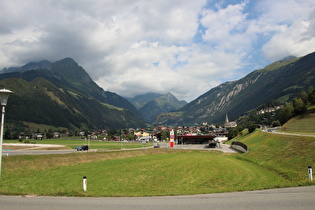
251, 128
275, 123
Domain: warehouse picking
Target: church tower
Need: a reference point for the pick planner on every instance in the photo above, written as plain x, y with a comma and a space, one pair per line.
226, 118
229, 124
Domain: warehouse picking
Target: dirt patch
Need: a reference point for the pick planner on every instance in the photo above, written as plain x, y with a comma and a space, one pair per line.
9, 146
16, 147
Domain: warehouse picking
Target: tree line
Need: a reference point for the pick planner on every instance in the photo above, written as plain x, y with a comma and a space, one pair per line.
298, 105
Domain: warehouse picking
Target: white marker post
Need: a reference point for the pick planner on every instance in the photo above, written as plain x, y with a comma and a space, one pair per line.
84, 184
310, 173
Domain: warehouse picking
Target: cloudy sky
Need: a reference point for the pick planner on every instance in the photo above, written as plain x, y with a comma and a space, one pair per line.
137, 46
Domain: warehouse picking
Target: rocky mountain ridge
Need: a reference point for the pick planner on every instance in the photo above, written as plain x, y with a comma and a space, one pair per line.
281, 80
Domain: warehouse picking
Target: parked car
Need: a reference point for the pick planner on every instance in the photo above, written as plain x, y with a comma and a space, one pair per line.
83, 148
156, 145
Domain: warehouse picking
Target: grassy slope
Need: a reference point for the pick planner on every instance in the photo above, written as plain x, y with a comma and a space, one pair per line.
304, 124
286, 154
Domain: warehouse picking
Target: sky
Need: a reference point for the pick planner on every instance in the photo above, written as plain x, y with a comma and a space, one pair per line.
133, 47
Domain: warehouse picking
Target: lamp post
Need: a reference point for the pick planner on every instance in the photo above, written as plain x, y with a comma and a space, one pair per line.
4, 95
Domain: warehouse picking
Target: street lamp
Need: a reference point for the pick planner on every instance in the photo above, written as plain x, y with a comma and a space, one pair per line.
4, 95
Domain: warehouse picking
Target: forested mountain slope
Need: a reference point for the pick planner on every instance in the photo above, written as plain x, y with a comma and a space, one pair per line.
281, 80
63, 94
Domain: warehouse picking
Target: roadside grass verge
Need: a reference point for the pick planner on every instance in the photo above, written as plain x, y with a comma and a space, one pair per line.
150, 172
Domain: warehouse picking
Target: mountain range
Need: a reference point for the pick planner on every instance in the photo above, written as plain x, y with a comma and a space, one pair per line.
62, 94
281, 81
140, 100
152, 104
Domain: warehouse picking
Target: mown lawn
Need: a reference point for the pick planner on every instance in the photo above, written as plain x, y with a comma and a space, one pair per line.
74, 143
272, 161
135, 173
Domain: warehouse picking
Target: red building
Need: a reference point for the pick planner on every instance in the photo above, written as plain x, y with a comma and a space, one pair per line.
195, 139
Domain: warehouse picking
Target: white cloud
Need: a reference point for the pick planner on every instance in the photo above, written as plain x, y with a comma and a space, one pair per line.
288, 23
297, 39
133, 47
224, 24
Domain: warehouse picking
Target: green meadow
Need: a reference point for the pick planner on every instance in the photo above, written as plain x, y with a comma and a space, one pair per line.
273, 161
74, 143
135, 173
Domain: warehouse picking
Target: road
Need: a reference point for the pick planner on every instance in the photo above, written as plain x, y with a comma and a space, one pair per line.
292, 134
44, 149
280, 199
274, 131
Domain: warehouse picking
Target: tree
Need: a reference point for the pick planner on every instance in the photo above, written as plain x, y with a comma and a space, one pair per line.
7, 134
299, 106
49, 134
251, 128
275, 123
311, 95
233, 132
304, 97
165, 135
287, 113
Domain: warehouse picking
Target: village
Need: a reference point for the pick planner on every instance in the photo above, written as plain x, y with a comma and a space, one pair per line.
201, 134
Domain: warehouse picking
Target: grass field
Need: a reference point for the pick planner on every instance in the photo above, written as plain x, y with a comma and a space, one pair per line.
135, 173
74, 143
273, 161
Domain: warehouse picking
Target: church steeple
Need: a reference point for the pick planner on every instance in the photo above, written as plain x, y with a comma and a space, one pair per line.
226, 118
229, 124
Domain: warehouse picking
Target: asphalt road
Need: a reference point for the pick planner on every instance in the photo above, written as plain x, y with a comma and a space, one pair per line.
280, 199
38, 151
274, 131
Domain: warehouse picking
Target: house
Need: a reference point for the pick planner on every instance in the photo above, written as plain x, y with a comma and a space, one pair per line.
39, 136
220, 138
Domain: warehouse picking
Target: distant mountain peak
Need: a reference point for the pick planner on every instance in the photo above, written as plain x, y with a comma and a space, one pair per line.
169, 97
69, 97
68, 60
140, 100
279, 63
44, 64
291, 57
164, 103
